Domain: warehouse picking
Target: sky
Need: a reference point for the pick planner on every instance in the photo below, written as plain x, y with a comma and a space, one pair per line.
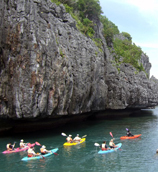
139, 18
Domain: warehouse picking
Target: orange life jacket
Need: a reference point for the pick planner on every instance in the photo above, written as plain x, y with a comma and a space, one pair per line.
42, 150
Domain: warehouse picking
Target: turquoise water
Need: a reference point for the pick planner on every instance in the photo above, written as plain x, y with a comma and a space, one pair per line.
138, 155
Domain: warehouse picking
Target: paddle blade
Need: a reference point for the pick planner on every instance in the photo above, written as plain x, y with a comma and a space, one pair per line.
55, 153
29, 144
96, 144
111, 134
37, 143
84, 136
63, 134
127, 129
43, 157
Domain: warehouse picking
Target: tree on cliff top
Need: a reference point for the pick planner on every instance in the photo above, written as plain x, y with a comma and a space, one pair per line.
109, 29
86, 8
89, 8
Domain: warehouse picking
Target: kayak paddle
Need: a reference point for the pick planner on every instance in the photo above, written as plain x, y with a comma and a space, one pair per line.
37, 143
63, 134
127, 129
42, 157
84, 136
96, 144
54, 153
111, 134
38, 154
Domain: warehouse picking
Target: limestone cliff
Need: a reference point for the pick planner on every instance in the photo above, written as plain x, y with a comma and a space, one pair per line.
49, 68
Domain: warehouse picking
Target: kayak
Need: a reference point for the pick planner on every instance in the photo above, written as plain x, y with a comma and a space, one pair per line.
19, 149
130, 137
111, 150
74, 143
26, 158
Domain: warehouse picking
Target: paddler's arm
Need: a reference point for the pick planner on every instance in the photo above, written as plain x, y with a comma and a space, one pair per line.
49, 151
13, 144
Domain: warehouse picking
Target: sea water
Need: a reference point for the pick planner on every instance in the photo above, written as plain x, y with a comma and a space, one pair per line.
136, 155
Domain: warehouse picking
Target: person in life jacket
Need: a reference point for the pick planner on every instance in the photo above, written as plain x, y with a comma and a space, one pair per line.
77, 138
31, 152
104, 147
112, 144
129, 134
43, 150
10, 147
69, 139
22, 144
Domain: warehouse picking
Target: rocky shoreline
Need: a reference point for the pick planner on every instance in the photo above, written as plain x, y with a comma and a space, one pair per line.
10, 126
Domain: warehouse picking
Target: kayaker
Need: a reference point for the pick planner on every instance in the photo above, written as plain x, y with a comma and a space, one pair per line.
112, 144
10, 147
31, 152
44, 150
103, 146
77, 138
129, 134
69, 139
22, 144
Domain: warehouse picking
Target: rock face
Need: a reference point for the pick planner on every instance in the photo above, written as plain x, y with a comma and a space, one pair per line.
49, 68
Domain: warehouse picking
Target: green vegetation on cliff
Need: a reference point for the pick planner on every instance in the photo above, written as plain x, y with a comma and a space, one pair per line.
130, 52
122, 47
84, 12
109, 29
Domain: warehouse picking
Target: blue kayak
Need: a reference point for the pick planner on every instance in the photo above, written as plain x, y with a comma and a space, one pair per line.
26, 158
111, 150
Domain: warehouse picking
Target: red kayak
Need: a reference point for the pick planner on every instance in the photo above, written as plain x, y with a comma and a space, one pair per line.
19, 149
130, 137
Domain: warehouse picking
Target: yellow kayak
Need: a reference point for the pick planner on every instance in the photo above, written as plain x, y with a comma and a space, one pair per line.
74, 143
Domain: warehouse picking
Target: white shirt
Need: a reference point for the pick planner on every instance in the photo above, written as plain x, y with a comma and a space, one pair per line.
7, 146
22, 145
103, 145
77, 138
68, 139
31, 151
111, 143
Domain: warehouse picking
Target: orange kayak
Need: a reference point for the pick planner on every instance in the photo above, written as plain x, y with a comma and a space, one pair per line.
130, 137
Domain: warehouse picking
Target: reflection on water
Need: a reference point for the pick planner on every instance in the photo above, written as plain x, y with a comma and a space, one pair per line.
82, 145
32, 165
69, 150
